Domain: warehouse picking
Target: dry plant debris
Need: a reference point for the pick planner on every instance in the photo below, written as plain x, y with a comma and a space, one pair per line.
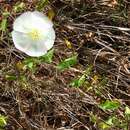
91, 91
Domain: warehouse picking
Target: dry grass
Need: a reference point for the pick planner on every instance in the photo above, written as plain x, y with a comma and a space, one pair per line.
98, 32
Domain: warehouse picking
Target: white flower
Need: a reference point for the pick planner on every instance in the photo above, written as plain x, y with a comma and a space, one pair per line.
33, 33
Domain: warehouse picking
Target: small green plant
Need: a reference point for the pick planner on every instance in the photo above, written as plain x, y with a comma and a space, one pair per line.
127, 114
3, 25
41, 4
127, 111
3, 121
112, 122
93, 118
79, 82
30, 63
104, 126
10, 77
67, 63
47, 57
19, 6
4, 22
110, 105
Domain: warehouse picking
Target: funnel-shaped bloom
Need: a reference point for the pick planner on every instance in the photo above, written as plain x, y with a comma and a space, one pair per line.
33, 33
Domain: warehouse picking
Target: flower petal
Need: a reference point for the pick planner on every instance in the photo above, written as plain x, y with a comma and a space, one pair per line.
36, 53
20, 40
43, 19
49, 42
22, 23
31, 48
29, 20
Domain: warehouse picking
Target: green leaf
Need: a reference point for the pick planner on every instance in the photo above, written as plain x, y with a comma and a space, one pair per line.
19, 7
78, 82
93, 118
6, 14
109, 121
110, 105
41, 4
127, 111
124, 125
67, 63
3, 121
47, 57
112, 121
104, 126
30, 63
10, 77
3, 25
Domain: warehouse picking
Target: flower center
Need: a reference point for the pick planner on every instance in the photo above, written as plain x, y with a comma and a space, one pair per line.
34, 34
